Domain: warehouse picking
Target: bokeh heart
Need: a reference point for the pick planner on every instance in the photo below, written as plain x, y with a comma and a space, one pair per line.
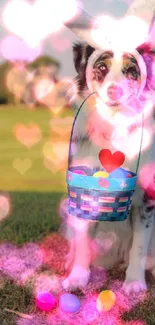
55, 155
22, 165
28, 135
58, 149
62, 126
34, 22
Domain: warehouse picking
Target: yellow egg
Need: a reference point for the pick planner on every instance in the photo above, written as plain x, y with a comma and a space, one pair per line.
101, 174
105, 300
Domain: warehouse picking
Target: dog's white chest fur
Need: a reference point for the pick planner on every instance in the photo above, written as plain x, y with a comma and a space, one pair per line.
111, 241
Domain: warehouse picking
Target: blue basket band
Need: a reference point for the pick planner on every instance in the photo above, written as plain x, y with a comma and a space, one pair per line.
100, 216
100, 183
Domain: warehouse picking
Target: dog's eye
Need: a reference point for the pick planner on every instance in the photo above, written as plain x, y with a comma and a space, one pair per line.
132, 73
102, 67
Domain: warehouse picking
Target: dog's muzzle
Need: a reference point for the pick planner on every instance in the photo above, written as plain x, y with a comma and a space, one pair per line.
114, 92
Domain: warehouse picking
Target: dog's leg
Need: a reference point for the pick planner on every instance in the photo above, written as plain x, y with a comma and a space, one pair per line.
80, 272
142, 228
71, 254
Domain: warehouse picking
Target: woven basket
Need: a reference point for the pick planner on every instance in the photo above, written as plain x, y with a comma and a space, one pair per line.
99, 198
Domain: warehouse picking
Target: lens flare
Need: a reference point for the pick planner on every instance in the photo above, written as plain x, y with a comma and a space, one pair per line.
35, 22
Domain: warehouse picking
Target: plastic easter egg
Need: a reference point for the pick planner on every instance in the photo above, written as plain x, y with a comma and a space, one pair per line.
79, 171
101, 174
106, 300
69, 303
119, 173
45, 301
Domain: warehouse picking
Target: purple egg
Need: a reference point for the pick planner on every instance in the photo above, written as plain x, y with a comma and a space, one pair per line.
69, 303
119, 173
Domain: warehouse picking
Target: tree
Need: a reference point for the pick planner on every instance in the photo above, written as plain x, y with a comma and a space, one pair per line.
44, 61
5, 95
43, 65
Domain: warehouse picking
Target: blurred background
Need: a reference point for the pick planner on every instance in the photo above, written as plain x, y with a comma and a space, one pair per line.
36, 70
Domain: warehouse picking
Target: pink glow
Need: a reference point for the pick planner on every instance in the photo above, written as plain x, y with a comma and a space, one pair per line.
147, 179
34, 22
20, 263
12, 48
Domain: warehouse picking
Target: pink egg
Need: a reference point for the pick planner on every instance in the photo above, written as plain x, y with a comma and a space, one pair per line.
45, 301
79, 171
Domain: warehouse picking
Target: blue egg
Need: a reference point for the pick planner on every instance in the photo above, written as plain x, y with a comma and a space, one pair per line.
69, 303
119, 173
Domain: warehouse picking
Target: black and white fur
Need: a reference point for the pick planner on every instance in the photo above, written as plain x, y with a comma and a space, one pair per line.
133, 238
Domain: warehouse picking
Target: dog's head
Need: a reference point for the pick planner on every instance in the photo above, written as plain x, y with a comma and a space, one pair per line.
117, 77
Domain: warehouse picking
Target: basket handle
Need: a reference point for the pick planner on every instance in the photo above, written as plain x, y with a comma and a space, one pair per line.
72, 130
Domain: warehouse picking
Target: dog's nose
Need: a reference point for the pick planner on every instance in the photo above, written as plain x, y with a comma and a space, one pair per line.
114, 92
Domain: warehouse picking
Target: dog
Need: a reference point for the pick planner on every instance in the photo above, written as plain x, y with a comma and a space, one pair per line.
111, 83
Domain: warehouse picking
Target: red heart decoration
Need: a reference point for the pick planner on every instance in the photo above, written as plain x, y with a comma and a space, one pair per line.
111, 161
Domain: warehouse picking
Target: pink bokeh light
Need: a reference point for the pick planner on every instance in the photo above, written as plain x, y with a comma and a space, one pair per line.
147, 179
14, 49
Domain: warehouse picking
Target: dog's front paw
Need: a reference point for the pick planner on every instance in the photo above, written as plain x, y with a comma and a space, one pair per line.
134, 286
69, 261
78, 278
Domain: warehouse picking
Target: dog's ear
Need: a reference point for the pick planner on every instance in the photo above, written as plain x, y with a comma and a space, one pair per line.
148, 54
81, 54
77, 55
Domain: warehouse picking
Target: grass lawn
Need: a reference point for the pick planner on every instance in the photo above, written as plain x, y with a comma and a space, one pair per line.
32, 178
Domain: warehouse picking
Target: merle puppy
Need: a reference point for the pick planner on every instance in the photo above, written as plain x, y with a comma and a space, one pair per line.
114, 83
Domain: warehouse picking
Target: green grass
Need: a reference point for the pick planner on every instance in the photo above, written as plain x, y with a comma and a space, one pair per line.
35, 198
